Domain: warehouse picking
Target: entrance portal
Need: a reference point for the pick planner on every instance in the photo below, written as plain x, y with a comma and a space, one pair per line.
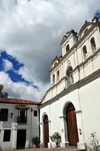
46, 131
21, 139
71, 125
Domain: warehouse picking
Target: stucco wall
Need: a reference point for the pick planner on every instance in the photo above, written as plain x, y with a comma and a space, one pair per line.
90, 105
31, 127
55, 111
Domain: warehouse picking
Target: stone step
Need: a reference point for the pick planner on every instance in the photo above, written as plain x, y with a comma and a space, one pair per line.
80, 149
69, 148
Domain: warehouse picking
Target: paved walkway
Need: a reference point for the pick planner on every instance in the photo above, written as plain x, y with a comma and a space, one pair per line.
51, 149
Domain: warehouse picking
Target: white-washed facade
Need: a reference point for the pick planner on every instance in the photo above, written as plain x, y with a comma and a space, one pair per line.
75, 79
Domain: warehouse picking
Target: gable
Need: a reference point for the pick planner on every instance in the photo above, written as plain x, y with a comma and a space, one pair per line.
84, 29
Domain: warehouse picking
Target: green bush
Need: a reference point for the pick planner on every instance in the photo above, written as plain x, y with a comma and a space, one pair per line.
36, 140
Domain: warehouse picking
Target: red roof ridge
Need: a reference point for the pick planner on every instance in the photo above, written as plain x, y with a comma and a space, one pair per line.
17, 101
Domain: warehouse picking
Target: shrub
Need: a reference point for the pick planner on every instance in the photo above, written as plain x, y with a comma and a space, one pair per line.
56, 138
94, 141
35, 140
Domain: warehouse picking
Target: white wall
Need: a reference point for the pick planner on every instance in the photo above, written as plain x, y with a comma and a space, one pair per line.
90, 105
31, 127
55, 111
73, 59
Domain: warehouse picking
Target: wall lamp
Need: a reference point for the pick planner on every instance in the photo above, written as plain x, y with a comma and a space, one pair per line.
12, 114
31, 109
80, 131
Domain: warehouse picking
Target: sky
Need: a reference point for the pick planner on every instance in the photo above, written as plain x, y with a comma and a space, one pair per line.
30, 35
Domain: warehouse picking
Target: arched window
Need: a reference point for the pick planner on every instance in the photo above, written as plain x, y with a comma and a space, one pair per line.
85, 52
93, 45
69, 75
67, 47
55, 63
53, 78
57, 75
85, 31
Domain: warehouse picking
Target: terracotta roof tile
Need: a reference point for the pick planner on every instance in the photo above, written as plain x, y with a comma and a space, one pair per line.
17, 101
22, 107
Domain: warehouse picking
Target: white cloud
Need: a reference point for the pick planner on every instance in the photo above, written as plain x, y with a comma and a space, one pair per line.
31, 31
21, 90
7, 65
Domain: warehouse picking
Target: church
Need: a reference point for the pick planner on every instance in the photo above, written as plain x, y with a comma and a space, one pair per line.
71, 104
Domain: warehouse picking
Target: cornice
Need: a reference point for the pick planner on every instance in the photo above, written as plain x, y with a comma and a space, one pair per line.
63, 58
78, 111
83, 27
87, 60
55, 59
73, 87
75, 69
65, 39
64, 78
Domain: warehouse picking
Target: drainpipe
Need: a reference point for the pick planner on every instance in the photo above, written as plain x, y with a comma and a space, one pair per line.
39, 121
31, 130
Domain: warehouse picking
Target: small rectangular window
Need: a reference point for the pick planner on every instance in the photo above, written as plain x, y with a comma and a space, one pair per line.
7, 134
35, 113
4, 115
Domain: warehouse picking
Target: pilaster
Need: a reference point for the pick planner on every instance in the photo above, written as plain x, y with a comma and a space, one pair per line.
81, 143
64, 136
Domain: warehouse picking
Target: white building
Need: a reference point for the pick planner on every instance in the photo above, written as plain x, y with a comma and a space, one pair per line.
19, 123
71, 105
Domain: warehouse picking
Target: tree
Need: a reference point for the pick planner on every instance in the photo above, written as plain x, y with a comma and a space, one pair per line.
94, 141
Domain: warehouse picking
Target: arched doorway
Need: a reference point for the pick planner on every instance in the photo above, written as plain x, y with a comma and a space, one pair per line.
46, 131
71, 125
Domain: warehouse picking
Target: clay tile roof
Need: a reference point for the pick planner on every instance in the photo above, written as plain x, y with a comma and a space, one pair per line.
22, 107
17, 101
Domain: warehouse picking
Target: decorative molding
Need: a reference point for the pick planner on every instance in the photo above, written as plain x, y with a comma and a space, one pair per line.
74, 86
77, 44
75, 69
63, 116
68, 63
78, 111
64, 78
87, 60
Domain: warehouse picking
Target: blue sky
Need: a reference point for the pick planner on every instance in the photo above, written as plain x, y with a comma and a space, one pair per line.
30, 36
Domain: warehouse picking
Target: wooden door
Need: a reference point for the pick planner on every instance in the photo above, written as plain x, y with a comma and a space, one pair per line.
21, 139
72, 125
46, 131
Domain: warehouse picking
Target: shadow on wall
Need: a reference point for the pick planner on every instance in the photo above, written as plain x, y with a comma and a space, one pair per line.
0, 148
